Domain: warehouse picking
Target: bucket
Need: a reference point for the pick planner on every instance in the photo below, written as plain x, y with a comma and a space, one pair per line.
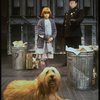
80, 69
18, 57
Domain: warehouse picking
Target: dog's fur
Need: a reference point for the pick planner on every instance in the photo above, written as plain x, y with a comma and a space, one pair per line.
44, 87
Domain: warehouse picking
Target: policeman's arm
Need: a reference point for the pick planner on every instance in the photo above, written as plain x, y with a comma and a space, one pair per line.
79, 19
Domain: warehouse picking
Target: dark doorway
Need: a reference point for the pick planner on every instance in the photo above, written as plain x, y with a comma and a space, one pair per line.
59, 44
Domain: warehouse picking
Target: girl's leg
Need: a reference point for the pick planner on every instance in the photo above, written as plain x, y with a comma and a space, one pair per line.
43, 59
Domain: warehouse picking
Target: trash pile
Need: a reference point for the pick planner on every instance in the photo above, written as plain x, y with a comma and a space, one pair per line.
82, 48
19, 44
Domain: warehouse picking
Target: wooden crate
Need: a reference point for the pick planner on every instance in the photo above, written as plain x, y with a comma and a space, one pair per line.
32, 61
29, 61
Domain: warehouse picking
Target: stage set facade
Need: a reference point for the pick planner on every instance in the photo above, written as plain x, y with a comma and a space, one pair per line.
24, 14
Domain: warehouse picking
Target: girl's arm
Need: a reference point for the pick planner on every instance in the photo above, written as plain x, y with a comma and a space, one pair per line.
40, 28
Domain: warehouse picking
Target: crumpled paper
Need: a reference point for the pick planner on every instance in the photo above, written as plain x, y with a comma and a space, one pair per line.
82, 48
94, 47
19, 44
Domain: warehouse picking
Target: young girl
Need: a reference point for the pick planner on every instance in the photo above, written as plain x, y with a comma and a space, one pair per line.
46, 35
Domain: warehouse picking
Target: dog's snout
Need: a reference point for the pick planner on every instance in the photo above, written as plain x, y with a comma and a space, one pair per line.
52, 76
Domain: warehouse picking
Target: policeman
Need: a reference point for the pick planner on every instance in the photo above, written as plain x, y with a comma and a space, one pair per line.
71, 25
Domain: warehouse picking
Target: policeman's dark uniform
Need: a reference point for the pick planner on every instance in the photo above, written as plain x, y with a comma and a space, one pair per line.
72, 29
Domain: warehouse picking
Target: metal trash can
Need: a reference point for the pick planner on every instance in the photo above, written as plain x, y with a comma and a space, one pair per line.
95, 72
80, 69
18, 57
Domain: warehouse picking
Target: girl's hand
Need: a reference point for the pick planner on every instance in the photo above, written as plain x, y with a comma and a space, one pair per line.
42, 36
50, 39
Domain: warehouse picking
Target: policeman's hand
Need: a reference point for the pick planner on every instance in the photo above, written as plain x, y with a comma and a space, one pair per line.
50, 39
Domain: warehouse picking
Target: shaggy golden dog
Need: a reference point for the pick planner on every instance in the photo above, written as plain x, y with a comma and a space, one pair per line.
44, 87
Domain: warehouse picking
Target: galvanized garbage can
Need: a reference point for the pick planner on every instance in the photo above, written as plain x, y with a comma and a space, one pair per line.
18, 57
80, 69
